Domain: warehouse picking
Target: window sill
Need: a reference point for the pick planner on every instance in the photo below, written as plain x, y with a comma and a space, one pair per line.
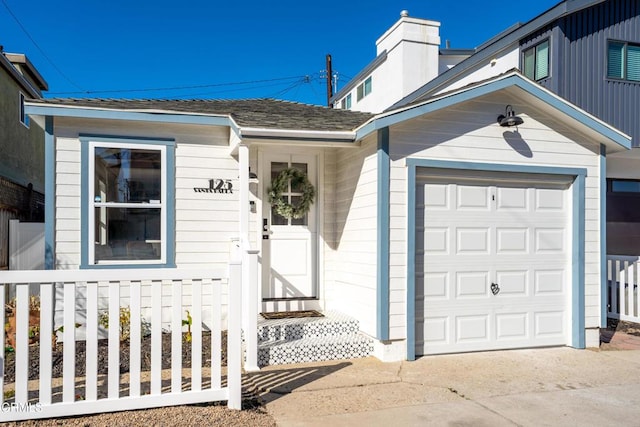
125, 266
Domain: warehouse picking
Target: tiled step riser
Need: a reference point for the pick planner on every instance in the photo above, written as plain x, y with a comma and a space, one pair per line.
310, 351
306, 330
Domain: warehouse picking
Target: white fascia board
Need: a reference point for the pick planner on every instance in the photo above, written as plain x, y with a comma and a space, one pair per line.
295, 134
152, 115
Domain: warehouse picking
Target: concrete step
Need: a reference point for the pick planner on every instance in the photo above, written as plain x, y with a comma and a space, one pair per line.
314, 349
332, 324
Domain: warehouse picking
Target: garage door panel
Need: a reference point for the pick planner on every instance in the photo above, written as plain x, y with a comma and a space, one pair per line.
512, 199
549, 324
472, 328
471, 197
512, 234
472, 241
436, 240
513, 283
512, 240
512, 326
548, 282
472, 284
549, 200
435, 197
549, 240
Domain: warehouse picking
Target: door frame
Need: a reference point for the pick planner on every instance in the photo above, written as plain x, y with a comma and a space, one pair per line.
577, 227
308, 303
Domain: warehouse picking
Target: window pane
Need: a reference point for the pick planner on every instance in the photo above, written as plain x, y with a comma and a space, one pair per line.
295, 200
348, 102
367, 86
127, 175
277, 219
127, 234
276, 168
615, 60
302, 167
625, 186
529, 63
542, 60
633, 63
359, 92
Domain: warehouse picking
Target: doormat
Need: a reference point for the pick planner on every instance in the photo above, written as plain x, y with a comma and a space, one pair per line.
291, 314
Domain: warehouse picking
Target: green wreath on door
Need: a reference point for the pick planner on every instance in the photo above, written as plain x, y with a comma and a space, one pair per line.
280, 184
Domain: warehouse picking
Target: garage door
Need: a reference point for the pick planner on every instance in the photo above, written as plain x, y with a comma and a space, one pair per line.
492, 261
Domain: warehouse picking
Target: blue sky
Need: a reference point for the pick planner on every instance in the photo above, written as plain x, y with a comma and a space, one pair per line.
115, 48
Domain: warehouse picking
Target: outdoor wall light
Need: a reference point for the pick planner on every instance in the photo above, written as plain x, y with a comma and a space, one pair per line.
509, 118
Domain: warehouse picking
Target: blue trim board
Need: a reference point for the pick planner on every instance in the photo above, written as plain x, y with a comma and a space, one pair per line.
49, 194
578, 227
603, 237
383, 236
85, 205
490, 87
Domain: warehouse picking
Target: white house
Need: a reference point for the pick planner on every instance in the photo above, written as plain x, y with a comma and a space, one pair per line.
437, 228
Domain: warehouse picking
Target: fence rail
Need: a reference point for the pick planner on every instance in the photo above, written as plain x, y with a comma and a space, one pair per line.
623, 298
43, 394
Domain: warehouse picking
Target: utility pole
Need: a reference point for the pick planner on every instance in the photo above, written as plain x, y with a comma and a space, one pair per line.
329, 81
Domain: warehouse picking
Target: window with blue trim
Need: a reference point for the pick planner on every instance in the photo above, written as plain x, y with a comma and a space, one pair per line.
623, 61
127, 194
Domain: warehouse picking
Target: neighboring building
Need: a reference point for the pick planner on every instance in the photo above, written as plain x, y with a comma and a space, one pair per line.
434, 226
21, 144
586, 51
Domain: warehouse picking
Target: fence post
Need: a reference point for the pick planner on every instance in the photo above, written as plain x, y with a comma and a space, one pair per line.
234, 342
253, 300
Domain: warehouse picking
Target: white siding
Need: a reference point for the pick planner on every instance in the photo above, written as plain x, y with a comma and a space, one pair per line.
505, 61
352, 263
204, 222
469, 133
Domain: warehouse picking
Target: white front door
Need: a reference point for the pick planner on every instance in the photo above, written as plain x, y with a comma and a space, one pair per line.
493, 263
289, 249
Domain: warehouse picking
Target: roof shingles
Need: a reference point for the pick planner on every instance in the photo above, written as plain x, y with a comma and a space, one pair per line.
255, 113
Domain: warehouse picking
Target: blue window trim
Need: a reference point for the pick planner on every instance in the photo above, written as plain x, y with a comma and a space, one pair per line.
578, 227
85, 205
383, 236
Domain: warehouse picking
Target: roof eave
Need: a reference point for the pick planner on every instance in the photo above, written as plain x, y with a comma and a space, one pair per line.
614, 139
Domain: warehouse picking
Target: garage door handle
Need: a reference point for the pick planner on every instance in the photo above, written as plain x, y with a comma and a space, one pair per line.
495, 288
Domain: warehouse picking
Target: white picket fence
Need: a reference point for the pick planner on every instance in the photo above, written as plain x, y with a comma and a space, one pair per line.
47, 397
623, 297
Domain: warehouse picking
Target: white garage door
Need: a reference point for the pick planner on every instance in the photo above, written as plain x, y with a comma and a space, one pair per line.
492, 261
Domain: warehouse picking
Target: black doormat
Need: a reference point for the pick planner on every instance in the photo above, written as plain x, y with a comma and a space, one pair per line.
291, 314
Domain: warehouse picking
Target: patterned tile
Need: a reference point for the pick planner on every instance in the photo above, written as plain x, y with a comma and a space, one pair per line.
333, 337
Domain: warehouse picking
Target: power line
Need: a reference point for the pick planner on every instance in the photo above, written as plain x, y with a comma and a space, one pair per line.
177, 87
38, 46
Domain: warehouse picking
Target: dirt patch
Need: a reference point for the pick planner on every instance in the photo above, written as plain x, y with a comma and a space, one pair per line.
103, 356
622, 326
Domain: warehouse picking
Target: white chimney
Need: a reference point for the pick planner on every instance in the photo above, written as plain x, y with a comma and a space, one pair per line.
412, 47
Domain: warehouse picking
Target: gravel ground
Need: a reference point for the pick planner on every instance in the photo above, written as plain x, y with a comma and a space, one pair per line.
196, 415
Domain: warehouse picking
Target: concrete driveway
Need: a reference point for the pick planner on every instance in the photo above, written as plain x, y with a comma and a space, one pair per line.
542, 387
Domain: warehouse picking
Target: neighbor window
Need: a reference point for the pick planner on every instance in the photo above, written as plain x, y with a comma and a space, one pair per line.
364, 88
24, 119
623, 61
625, 186
346, 102
127, 195
536, 61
